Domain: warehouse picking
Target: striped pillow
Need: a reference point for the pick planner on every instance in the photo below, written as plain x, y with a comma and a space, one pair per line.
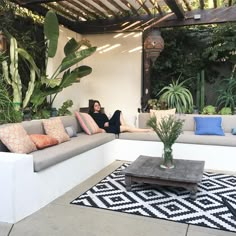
87, 123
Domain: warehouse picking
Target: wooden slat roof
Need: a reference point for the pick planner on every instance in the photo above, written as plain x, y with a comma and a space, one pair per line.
101, 16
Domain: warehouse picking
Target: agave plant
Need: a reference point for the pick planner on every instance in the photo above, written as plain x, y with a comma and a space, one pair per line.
177, 96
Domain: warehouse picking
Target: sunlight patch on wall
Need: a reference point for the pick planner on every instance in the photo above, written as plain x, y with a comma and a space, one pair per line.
110, 48
128, 35
139, 48
103, 47
118, 35
137, 35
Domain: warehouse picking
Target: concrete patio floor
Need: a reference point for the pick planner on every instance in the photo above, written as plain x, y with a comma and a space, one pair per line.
60, 218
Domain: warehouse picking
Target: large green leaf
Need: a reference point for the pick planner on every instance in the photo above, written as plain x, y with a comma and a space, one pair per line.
51, 31
76, 57
71, 46
30, 59
52, 83
84, 71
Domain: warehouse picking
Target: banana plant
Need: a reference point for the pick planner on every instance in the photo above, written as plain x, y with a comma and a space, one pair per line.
41, 85
52, 85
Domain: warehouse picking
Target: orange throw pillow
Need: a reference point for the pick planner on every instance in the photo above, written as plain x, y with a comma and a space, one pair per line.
42, 140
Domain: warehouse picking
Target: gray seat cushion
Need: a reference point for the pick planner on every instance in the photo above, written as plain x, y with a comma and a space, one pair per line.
185, 137
77, 145
146, 136
190, 137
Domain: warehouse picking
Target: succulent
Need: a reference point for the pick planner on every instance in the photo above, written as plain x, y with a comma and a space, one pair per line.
225, 111
209, 110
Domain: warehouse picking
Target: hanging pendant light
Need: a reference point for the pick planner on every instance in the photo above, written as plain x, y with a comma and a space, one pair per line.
153, 44
3, 42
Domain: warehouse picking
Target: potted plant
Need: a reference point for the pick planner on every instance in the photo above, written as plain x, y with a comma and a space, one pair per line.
168, 130
177, 96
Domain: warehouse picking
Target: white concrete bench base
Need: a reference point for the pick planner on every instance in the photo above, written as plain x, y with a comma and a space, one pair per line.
23, 191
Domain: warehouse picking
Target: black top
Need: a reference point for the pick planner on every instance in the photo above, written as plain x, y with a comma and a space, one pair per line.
100, 119
114, 122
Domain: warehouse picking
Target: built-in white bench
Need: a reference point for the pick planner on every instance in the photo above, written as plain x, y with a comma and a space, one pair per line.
25, 188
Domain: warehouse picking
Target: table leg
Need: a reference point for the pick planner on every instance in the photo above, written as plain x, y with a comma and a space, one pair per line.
128, 183
193, 192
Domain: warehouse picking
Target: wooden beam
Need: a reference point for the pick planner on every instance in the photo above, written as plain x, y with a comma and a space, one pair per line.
187, 4
87, 4
144, 6
176, 7
111, 25
127, 4
107, 9
202, 4
210, 16
62, 20
156, 6
58, 9
25, 2
85, 10
73, 10
116, 5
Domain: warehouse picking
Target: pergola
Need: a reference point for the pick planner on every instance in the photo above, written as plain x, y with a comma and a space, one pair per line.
102, 16
119, 16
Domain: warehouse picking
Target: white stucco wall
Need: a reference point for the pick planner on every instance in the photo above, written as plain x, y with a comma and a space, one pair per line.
116, 77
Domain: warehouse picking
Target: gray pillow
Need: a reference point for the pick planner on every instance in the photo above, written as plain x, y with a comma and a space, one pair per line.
70, 130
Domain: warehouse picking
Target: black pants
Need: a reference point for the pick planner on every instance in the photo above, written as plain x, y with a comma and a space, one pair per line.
114, 123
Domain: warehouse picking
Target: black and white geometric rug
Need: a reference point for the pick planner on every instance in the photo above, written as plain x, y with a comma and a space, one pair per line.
168, 203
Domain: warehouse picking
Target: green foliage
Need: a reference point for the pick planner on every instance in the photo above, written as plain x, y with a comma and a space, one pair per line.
26, 28
63, 110
51, 32
189, 50
176, 95
12, 77
43, 113
221, 44
168, 130
209, 110
227, 92
225, 111
157, 104
38, 89
8, 114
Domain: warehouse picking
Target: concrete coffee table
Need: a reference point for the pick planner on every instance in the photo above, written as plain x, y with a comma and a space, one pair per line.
145, 169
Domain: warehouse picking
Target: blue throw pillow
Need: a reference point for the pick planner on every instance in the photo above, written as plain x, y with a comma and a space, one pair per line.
233, 131
208, 126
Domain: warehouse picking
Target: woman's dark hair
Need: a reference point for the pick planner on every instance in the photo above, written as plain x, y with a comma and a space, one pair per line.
91, 108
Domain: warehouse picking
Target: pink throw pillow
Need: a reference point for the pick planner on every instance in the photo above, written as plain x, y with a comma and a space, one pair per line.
55, 128
87, 123
15, 138
42, 140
